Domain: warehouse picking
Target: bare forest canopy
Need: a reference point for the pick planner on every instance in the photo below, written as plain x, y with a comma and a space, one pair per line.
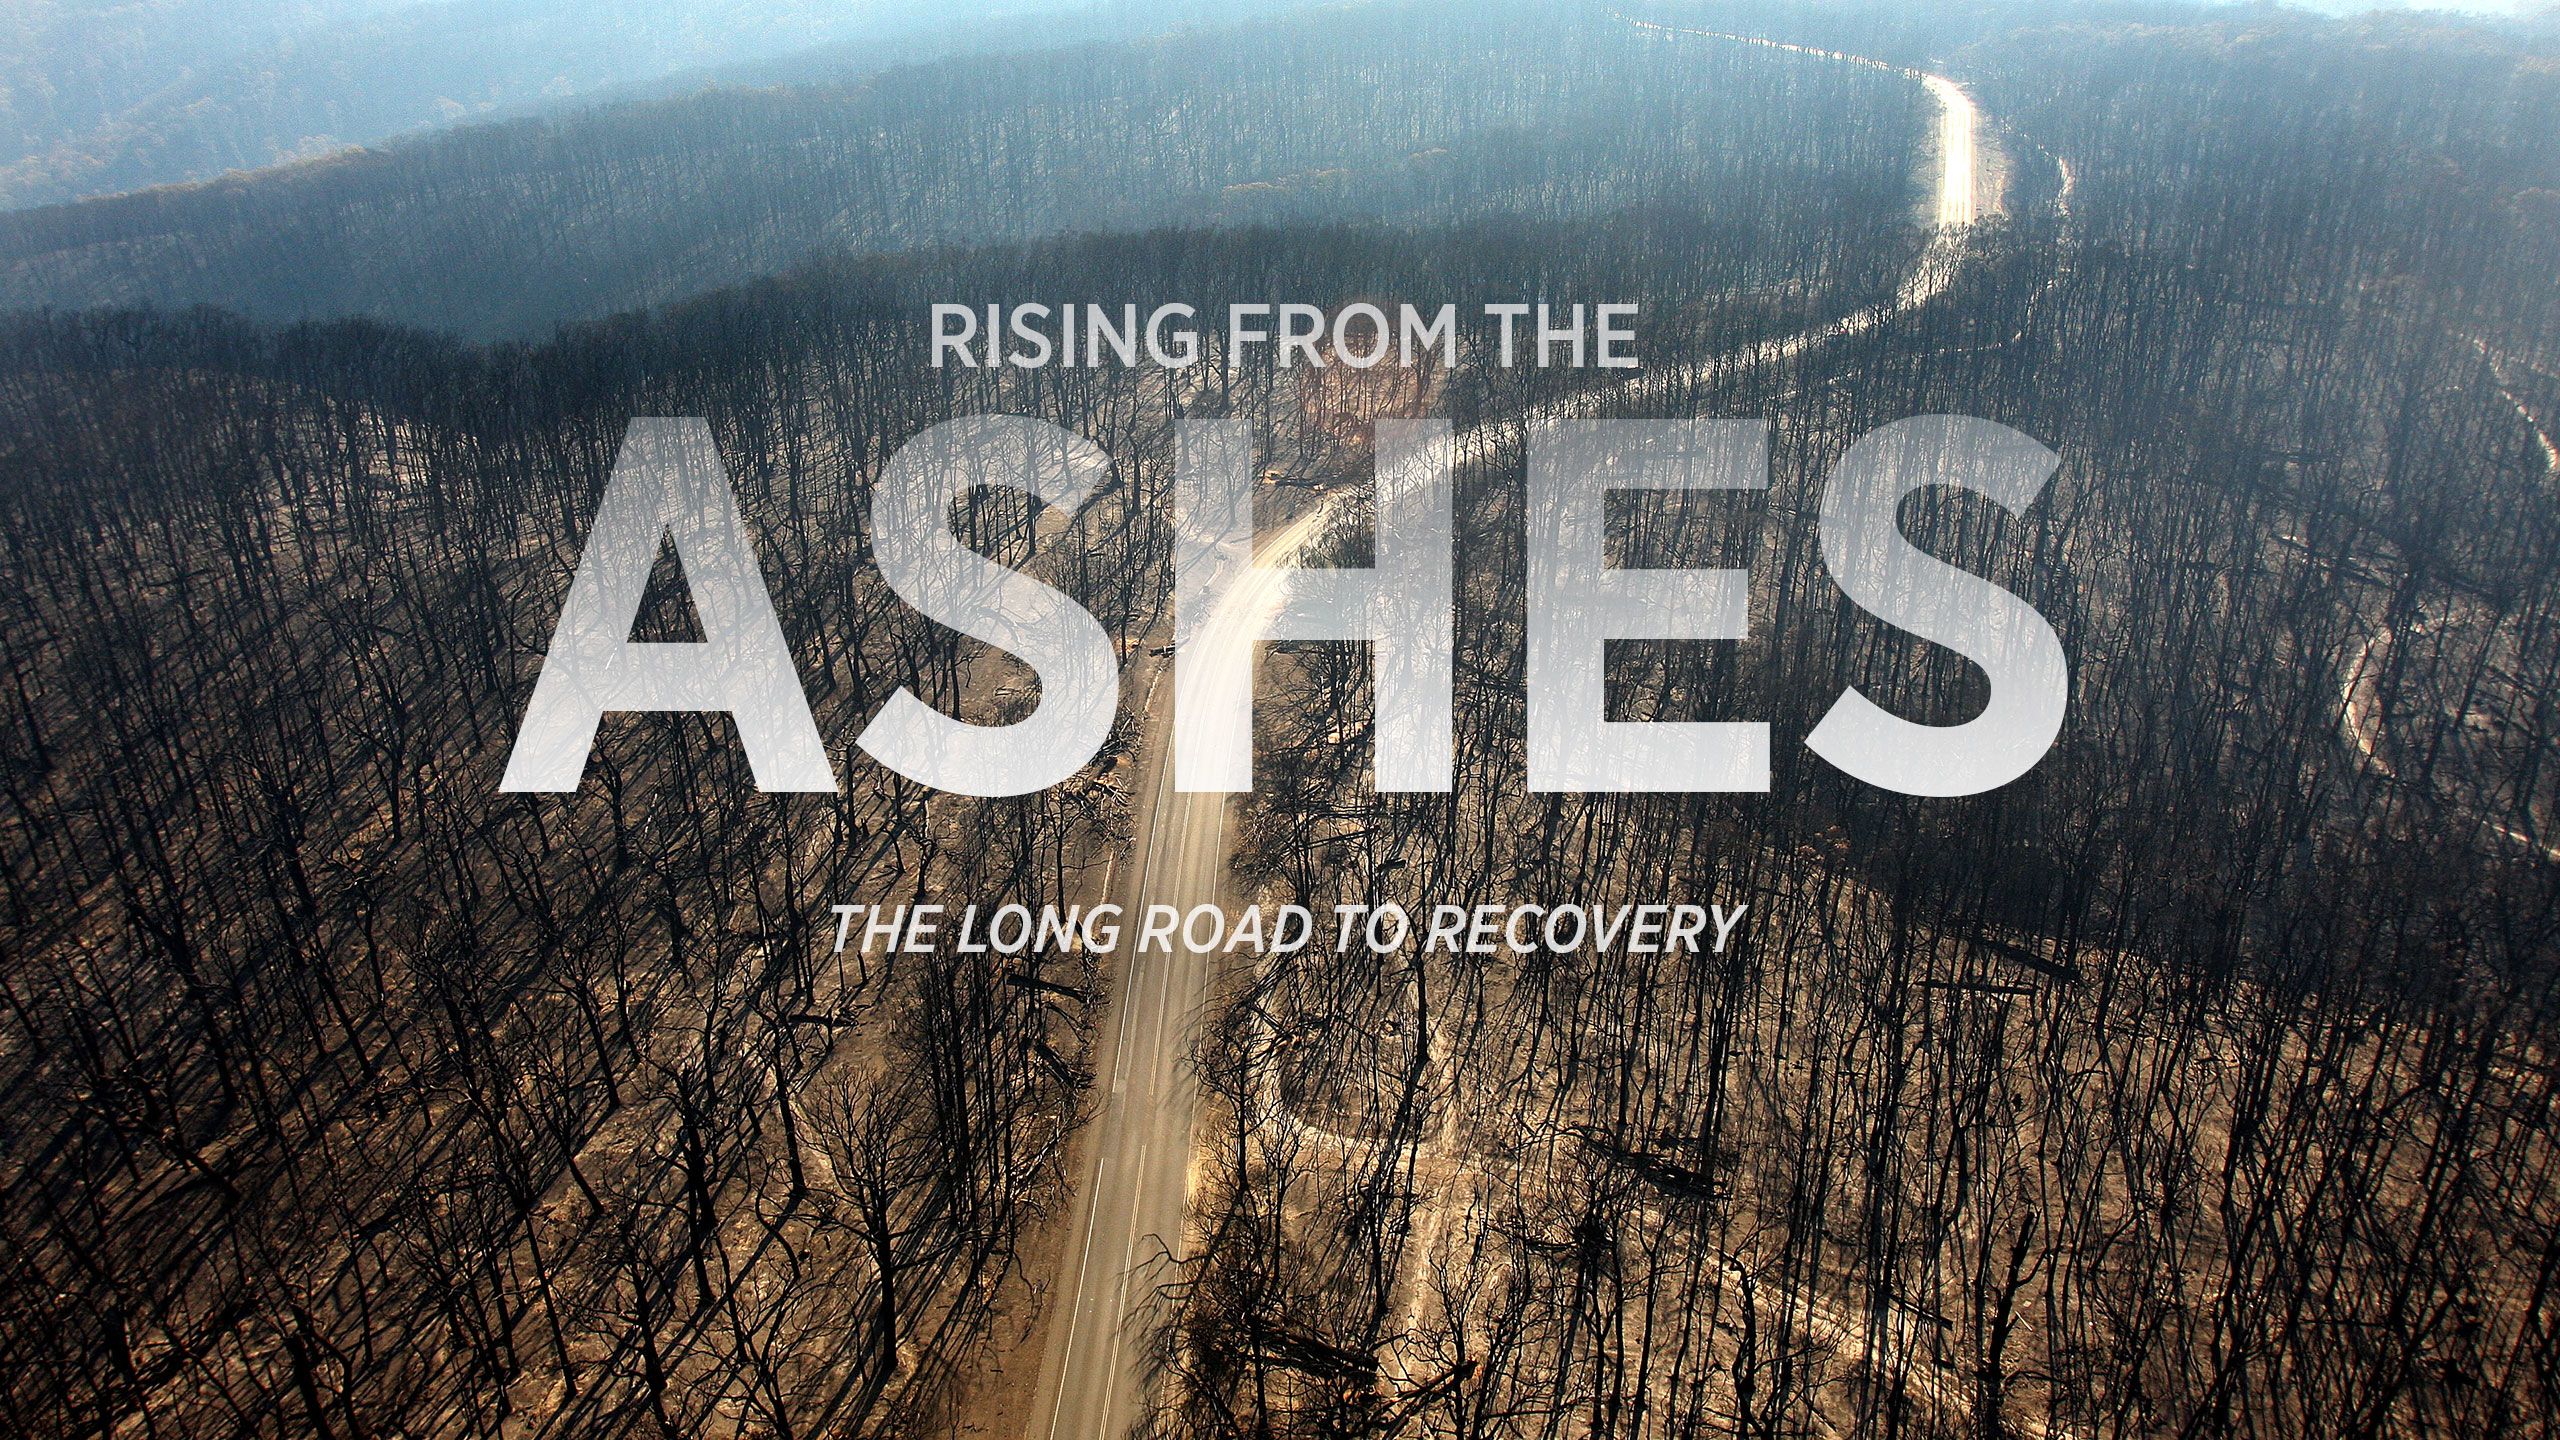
1394, 114
2202, 1082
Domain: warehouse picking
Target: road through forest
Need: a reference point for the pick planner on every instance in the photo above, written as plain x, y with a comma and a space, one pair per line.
1132, 1195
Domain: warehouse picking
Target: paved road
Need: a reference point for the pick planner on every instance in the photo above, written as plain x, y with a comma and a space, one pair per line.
1129, 1210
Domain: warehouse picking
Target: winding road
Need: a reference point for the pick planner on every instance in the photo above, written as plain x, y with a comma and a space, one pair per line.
2360, 682
1127, 1221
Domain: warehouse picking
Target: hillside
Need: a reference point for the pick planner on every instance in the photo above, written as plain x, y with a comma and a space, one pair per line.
1389, 115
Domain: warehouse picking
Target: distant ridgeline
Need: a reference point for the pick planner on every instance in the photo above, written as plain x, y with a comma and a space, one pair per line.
101, 99
1403, 115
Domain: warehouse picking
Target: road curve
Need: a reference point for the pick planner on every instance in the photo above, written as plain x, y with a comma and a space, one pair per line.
1127, 1220
2360, 680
